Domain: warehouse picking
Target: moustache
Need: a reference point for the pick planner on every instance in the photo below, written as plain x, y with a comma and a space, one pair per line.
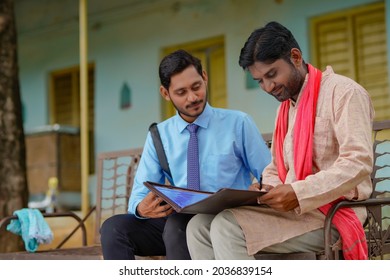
193, 104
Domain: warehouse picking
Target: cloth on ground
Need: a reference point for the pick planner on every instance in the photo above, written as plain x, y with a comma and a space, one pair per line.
33, 228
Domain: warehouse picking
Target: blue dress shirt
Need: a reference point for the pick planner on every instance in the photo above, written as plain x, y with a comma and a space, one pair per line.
231, 148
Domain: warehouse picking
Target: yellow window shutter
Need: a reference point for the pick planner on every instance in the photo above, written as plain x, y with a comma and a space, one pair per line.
218, 96
63, 99
333, 46
354, 43
371, 59
65, 102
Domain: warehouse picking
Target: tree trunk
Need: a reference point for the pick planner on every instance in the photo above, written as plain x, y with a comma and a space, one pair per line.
13, 182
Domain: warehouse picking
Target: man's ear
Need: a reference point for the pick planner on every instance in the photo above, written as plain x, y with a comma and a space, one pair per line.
205, 77
164, 93
296, 57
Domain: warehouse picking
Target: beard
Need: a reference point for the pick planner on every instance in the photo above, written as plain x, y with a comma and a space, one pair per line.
186, 112
293, 87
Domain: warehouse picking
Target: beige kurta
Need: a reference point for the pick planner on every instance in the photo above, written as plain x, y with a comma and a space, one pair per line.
342, 165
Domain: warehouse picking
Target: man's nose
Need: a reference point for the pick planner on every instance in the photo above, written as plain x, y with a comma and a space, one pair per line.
268, 85
192, 96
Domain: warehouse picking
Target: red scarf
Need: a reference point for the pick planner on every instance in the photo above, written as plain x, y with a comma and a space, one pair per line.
346, 222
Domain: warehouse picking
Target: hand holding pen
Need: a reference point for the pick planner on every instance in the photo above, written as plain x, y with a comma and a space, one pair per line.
260, 187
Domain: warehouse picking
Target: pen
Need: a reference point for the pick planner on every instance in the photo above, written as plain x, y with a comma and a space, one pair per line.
261, 182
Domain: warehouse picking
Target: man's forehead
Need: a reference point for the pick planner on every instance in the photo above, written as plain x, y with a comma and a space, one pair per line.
185, 78
262, 68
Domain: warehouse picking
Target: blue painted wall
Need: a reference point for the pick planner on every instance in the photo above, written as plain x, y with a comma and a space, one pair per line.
125, 47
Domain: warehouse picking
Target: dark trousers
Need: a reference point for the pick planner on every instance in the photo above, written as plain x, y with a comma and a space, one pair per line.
124, 236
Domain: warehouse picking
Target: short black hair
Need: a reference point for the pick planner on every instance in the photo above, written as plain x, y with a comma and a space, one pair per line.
268, 44
175, 63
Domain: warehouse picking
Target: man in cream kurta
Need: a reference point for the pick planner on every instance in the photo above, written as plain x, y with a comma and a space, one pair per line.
342, 161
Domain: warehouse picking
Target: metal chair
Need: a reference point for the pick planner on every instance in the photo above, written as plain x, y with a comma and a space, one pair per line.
377, 225
115, 175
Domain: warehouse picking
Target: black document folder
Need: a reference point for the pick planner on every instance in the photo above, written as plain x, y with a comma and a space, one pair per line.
193, 202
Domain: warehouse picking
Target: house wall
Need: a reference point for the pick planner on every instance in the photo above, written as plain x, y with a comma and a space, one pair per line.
125, 47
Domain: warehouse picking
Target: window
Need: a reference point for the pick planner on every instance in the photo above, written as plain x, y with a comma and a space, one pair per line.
65, 102
354, 43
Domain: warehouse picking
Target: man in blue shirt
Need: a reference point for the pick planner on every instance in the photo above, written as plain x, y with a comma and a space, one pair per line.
231, 149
